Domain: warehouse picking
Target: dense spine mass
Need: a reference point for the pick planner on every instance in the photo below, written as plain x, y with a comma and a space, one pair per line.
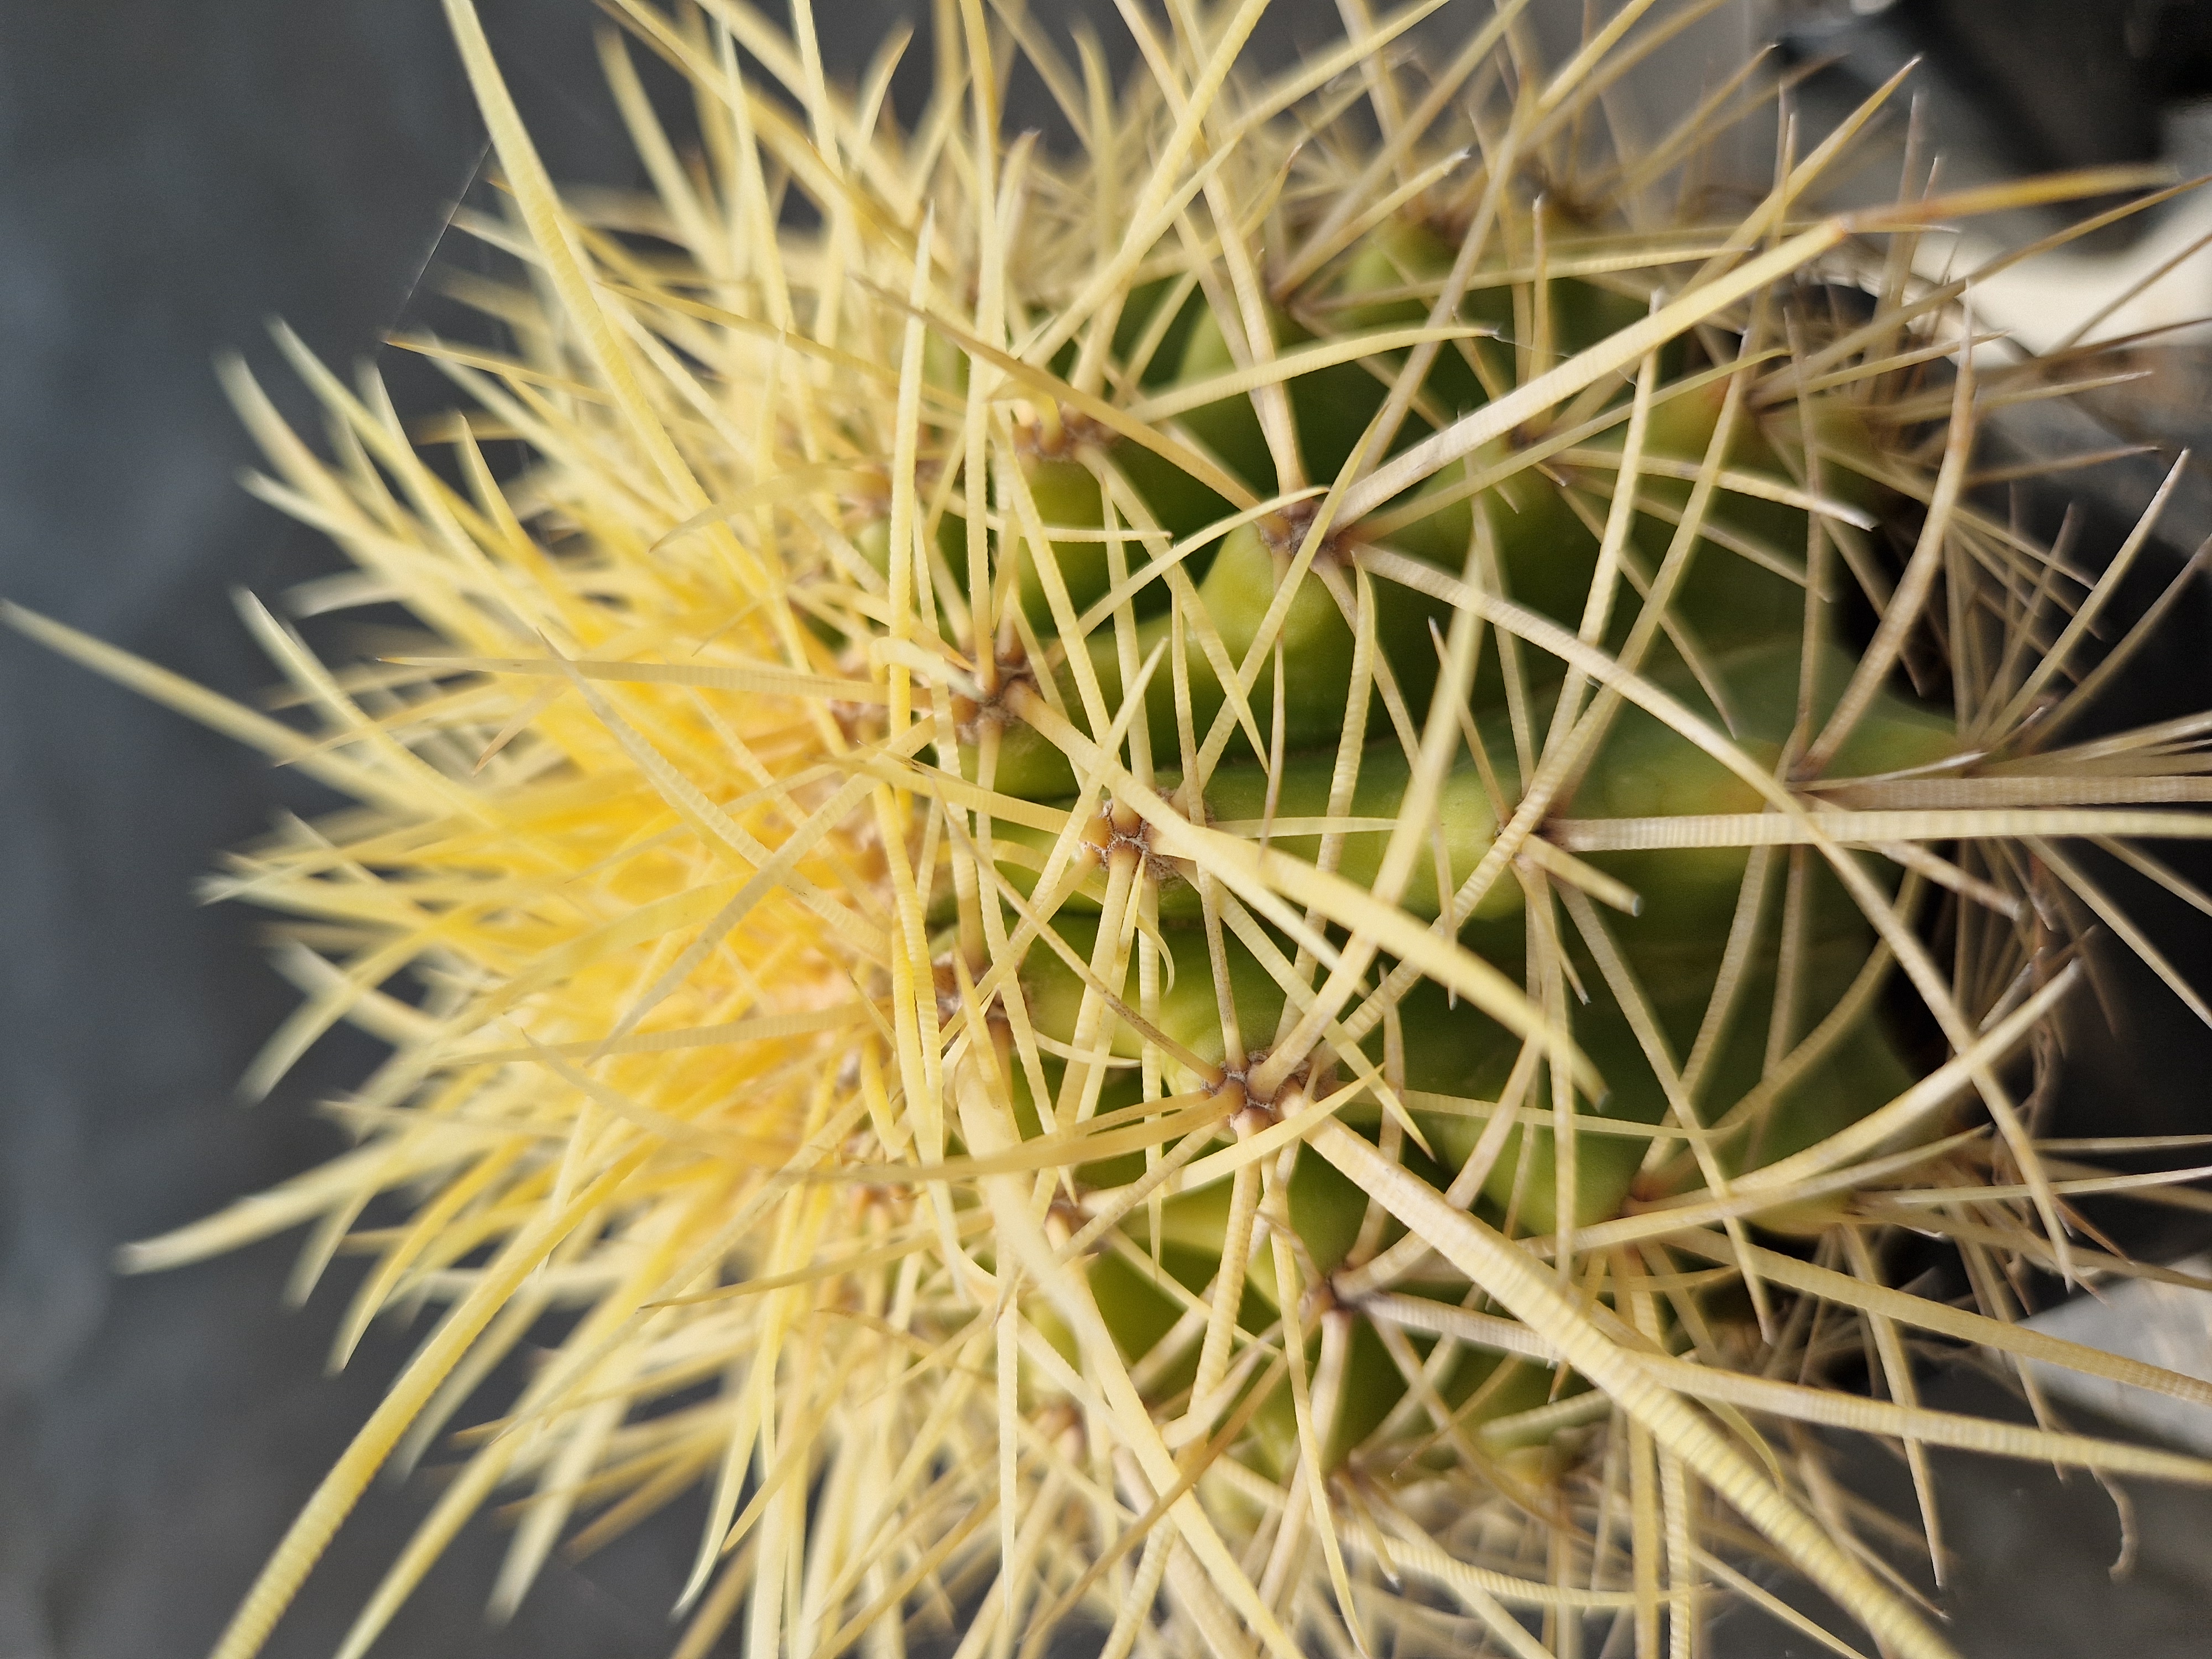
1179, 880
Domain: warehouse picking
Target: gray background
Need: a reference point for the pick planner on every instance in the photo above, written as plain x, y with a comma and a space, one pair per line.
171, 173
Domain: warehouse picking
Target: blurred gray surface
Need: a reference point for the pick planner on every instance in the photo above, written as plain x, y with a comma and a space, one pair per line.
170, 175
2159, 1324
175, 175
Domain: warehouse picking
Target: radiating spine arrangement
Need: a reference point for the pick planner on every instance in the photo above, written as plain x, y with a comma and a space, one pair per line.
1221, 889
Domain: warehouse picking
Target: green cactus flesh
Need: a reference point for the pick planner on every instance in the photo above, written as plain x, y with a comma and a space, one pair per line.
1733, 654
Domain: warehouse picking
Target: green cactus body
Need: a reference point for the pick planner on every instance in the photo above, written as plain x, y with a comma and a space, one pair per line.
1454, 1051
1066, 492
1547, 549
1732, 654
1744, 616
1738, 604
1331, 407
1647, 769
1238, 796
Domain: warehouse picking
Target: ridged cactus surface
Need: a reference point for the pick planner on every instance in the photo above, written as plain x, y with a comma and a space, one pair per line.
1220, 889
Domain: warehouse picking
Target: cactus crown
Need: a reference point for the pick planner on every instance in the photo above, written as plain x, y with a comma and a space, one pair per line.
1194, 853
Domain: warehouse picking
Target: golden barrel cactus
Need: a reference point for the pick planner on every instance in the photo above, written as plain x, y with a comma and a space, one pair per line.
1174, 880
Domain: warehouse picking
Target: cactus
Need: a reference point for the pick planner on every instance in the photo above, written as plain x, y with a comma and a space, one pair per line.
1190, 856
